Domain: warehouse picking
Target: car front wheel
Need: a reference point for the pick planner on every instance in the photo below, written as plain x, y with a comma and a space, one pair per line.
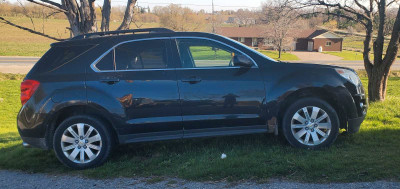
82, 142
310, 123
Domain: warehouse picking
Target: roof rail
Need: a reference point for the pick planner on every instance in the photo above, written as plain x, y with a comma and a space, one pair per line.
118, 32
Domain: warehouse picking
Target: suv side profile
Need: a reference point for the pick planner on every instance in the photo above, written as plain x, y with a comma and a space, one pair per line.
95, 91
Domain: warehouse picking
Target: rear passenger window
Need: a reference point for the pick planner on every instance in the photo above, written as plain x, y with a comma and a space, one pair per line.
106, 63
141, 55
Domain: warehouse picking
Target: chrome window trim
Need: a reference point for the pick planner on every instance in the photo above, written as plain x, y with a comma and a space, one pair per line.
95, 69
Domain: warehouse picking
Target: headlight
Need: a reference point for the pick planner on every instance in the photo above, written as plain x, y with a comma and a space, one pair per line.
349, 75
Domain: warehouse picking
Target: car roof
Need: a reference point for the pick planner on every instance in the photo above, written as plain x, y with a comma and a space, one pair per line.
116, 37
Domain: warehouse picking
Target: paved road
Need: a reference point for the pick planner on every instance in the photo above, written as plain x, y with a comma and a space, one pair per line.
14, 179
19, 65
24, 64
18, 60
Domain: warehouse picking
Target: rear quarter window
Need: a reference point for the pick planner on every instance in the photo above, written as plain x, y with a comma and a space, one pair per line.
58, 56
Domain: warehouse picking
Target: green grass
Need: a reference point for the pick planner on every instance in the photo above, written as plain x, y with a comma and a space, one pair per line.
284, 55
372, 154
347, 55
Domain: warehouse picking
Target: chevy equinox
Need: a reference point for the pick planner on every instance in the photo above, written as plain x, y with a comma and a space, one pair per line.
94, 91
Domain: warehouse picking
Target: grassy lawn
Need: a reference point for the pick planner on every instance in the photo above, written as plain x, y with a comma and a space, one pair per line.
353, 42
372, 154
284, 56
347, 55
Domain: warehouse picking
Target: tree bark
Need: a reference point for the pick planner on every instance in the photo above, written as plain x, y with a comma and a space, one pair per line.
72, 14
128, 15
105, 16
87, 16
280, 48
379, 73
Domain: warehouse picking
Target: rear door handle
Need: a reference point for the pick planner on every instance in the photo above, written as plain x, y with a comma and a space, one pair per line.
191, 80
110, 80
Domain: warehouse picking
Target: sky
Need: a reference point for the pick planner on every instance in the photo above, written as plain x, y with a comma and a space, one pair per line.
193, 4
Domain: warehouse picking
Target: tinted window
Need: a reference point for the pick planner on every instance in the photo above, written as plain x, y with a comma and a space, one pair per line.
141, 55
58, 56
106, 63
204, 53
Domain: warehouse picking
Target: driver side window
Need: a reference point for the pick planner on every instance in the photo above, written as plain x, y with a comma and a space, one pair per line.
195, 53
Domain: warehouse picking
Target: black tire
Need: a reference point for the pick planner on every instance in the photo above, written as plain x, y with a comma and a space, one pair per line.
310, 102
106, 143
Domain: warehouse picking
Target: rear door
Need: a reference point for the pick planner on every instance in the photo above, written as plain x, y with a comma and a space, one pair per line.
217, 97
139, 79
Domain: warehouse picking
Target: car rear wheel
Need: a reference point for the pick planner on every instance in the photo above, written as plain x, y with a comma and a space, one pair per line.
310, 123
82, 142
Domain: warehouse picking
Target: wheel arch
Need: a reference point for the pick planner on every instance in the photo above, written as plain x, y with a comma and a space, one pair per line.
69, 111
316, 92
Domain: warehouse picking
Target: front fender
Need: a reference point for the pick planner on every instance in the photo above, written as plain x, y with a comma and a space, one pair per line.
294, 82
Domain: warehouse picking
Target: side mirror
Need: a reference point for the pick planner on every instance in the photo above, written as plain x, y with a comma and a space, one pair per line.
242, 61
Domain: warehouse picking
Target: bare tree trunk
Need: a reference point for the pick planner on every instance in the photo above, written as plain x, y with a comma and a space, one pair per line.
72, 14
105, 16
280, 48
128, 15
87, 16
379, 73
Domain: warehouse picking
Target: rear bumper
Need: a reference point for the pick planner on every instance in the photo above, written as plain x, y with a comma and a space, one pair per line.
34, 142
354, 124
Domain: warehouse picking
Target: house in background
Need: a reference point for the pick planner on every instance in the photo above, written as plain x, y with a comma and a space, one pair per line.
305, 40
315, 40
250, 36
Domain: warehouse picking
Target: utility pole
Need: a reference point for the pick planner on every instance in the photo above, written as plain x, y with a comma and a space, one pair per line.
212, 19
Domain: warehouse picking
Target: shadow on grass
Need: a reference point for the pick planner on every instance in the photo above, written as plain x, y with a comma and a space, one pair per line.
369, 155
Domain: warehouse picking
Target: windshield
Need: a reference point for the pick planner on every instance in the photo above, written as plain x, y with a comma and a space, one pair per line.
245, 46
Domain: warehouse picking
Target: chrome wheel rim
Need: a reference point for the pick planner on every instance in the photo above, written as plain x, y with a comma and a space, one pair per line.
81, 143
311, 129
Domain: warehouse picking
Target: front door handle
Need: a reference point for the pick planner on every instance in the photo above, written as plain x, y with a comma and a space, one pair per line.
191, 80
110, 80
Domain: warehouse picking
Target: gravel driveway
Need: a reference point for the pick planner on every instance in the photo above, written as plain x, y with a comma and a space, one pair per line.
14, 179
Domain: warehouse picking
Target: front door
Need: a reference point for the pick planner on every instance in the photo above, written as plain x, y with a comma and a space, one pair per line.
216, 96
310, 46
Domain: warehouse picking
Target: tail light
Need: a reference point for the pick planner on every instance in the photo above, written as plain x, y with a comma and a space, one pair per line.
28, 88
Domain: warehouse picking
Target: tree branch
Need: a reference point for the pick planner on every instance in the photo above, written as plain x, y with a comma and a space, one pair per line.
29, 30
53, 3
335, 14
361, 6
49, 6
105, 15
128, 15
391, 2
339, 6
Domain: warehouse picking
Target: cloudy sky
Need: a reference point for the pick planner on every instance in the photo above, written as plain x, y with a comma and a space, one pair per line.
194, 4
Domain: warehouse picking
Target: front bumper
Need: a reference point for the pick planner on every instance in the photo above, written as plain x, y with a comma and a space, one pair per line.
354, 124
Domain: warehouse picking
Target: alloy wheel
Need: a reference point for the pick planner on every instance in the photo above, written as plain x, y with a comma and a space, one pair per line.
81, 143
311, 125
